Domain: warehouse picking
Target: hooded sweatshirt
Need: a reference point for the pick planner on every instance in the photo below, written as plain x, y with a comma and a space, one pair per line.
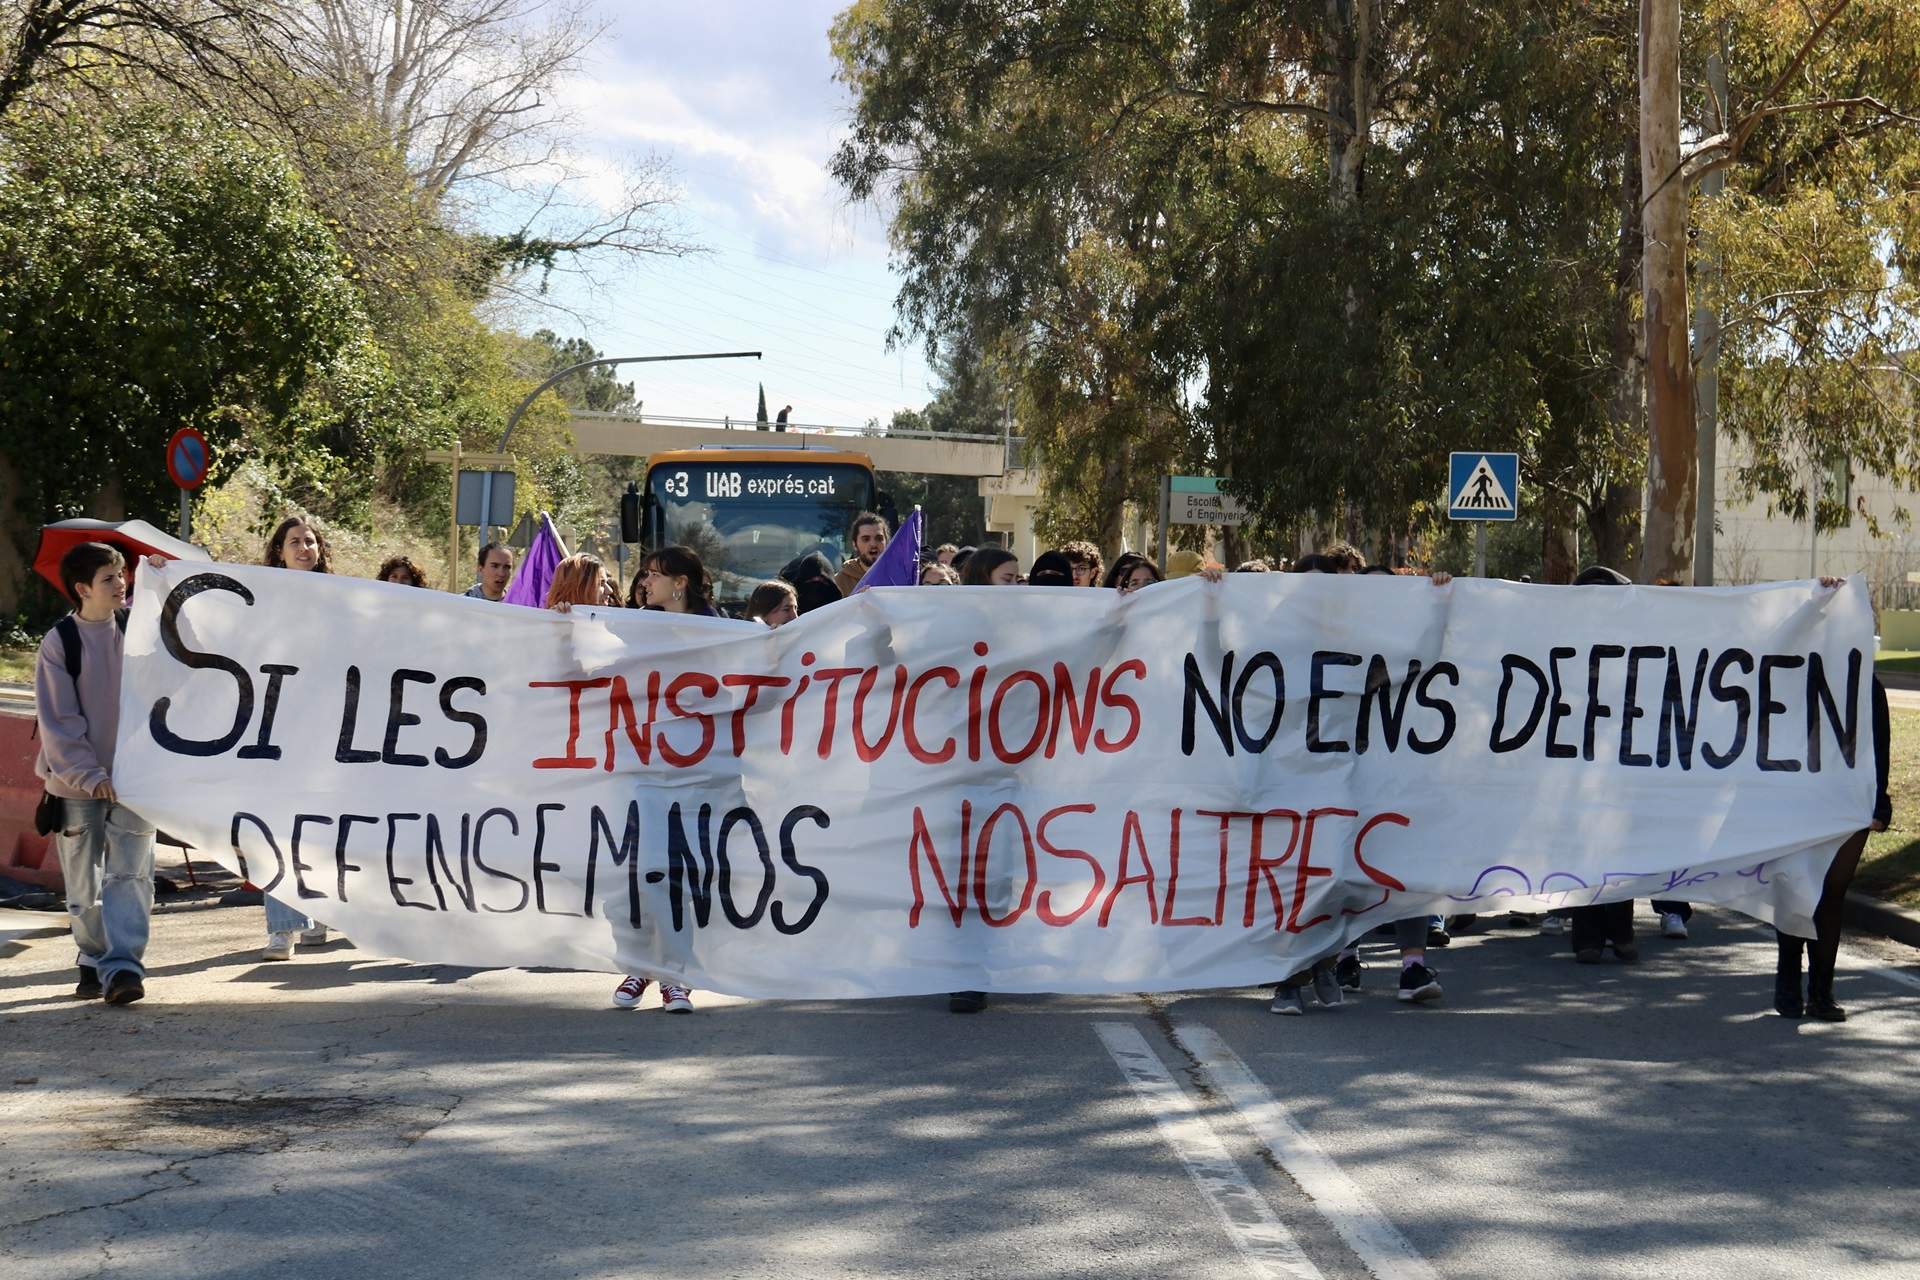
78, 724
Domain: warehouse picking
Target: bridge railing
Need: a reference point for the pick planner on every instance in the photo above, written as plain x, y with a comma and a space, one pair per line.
752, 427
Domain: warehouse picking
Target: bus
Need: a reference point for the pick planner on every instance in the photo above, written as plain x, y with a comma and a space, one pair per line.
749, 510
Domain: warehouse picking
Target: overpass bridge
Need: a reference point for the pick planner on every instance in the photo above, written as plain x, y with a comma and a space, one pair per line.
921, 452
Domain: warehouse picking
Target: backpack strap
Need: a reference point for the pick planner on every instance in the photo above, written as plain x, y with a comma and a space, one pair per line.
70, 642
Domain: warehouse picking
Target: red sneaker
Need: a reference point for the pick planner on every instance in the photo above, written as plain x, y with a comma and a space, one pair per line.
675, 998
628, 993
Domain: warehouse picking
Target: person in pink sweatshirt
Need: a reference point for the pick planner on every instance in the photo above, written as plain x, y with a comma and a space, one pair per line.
106, 849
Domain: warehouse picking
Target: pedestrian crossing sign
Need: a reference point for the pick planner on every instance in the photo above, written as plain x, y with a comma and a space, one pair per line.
1483, 486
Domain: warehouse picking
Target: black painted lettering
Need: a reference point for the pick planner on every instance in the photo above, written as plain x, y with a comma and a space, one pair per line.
170, 637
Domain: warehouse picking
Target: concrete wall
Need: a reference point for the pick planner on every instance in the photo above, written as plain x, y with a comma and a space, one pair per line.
1753, 545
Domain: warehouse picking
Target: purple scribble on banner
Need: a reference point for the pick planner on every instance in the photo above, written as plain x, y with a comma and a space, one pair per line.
898, 564
530, 581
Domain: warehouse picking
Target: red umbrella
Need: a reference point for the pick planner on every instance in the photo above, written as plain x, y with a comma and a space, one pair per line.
136, 538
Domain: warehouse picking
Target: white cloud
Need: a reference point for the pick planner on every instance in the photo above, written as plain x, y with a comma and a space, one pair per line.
771, 183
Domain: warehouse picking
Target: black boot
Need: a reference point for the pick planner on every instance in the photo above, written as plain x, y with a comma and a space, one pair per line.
1820, 960
1786, 978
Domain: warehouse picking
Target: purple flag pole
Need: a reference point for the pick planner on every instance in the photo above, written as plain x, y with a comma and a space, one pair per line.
898, 564
535, 575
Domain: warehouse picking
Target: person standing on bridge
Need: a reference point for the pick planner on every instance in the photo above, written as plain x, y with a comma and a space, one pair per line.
869, 540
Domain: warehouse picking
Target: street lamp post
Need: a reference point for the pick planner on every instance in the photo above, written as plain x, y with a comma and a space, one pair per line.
520, 410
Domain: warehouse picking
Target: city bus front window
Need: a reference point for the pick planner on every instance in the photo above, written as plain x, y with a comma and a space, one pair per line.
746, 521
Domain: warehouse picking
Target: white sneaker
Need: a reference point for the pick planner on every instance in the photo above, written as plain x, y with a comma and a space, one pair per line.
628, 993
279, 947
314, 936
1555, 925
675, 998
1672, 926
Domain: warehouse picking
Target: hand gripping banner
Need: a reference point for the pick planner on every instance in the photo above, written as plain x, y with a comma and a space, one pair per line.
1012, 789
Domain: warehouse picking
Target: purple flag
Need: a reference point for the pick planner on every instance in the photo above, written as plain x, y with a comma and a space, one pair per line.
898, 564
535, 575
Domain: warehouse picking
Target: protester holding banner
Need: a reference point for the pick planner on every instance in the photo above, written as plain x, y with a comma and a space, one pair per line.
1086, 562
674, 580
1052, 569
1823, 950
1131, 572
987, 567
677, 582
773, 603
295, 544
1419, 984
869, 535
991, 567
401, 571
577, 580
105, 848
496, 570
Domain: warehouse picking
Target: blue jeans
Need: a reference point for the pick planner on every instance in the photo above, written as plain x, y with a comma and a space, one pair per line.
106, 856
282, 918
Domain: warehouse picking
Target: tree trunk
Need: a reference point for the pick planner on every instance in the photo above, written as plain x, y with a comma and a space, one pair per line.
1673, 442
1113, 501
18, 536
1559, 559
1349, 41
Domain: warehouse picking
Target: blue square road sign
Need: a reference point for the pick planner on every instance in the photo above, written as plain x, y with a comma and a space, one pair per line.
1483, 486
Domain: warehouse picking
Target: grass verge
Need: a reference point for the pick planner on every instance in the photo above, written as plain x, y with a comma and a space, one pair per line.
1903, 661
1890, 868
16, 663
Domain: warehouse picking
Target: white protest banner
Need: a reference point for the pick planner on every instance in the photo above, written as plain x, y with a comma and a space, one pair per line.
1014, 789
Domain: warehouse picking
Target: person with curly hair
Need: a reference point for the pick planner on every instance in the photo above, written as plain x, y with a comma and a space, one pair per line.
401, 571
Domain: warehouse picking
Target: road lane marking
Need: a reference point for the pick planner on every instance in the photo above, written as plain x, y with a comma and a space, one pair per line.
1367, 1231
1263, 1241
1858, 963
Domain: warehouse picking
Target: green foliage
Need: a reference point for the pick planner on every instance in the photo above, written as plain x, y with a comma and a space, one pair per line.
158, 271
1815, 239
1233, 238
1147, 222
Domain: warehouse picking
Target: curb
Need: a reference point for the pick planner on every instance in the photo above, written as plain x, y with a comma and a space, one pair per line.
1899, 679
1902, 924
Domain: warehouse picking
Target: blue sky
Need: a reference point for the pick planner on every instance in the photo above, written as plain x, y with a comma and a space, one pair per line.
739, 98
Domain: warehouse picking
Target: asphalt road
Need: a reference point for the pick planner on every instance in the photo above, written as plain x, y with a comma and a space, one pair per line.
344, 1115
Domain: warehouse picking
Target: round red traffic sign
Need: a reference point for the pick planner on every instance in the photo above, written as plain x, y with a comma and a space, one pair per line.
187, 458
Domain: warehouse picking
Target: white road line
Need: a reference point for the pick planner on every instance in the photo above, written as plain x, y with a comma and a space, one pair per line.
1379, 1244
1266, 1244
1867, 964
